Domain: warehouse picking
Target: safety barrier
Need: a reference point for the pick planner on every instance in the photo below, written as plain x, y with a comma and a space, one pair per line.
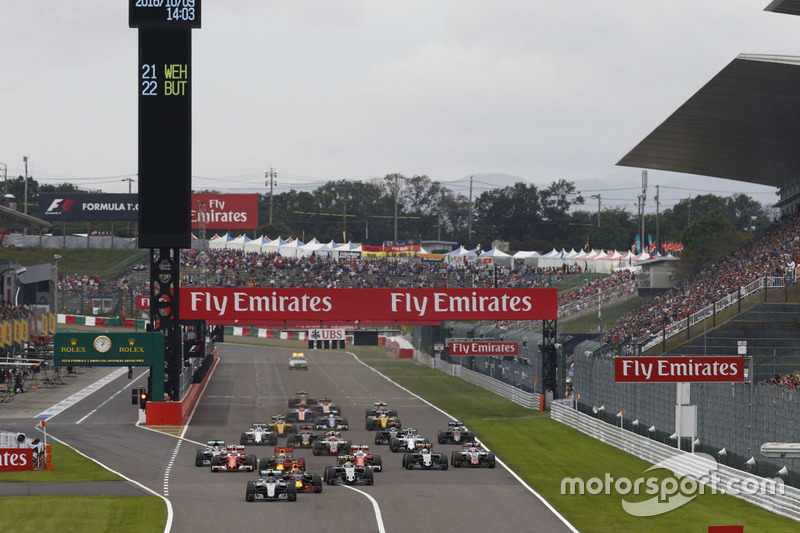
518, 396
681, 462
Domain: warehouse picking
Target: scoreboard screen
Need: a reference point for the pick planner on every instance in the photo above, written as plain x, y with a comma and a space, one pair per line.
164, 14
165, 138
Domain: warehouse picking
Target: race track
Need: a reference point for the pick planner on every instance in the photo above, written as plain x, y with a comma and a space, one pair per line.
252, 383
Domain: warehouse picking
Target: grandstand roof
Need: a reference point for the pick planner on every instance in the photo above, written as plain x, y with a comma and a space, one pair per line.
13, 219
788, 7
742, 125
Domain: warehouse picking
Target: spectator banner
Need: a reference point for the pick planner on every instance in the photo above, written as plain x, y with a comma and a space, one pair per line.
465, 348
679, 369
225, 211
255, 305
16, 459
67, 207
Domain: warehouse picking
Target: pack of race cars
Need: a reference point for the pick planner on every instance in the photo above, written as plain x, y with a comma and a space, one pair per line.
318, 425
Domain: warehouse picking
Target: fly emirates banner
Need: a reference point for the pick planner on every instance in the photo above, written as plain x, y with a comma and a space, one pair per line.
393, 305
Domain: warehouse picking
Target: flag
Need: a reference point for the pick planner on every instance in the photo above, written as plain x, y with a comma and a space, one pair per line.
586, 246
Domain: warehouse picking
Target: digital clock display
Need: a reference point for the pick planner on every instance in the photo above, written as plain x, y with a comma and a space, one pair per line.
164, 14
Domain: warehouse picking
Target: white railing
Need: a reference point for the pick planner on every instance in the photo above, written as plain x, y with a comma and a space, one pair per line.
786, 504
525, 399
672, 329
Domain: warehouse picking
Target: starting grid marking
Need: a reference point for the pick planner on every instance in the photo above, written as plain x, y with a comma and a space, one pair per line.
80, 395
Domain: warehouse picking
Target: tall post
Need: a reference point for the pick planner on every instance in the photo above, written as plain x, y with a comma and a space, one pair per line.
469, 218
658, 236
396, 194
25, 201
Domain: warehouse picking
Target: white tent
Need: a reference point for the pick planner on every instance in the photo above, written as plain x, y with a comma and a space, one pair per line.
272, 246
254, 246
239, 242
499, 257
311, 247
529, 258
456, 256
220, 242
289, 249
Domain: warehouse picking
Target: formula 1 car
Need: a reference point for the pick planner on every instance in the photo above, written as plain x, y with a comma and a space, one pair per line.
282, 459
407, 441
212, 449
331, 443
382, 421
348, 473
378, 408
425, 458
302, 397
233, 459
304, 438
385, 436
456, 433
302, 413
361, 456
304, 481
259, 434
281, 426
473, 454
332, 422
271, 488
326, 407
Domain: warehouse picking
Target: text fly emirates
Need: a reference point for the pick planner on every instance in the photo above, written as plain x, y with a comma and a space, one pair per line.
399, 302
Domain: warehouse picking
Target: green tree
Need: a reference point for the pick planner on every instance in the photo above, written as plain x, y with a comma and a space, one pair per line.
706, 241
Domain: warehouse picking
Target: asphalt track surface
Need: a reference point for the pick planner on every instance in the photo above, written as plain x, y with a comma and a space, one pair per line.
250, 384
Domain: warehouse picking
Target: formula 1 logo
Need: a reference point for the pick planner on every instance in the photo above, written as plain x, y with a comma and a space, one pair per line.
59, 206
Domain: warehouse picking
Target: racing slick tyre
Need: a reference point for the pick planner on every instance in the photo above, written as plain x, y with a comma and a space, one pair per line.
345, 425
369, 424
377, 463
317, 449
316, 483
378, 439
251, 461
243, 438
470, 436
491, 460
368, 476
250, 494
444, 463
330, 477
442, 438
291, 492
394, 444
407, 463
215, 464
198, 458
346, 445
456, 459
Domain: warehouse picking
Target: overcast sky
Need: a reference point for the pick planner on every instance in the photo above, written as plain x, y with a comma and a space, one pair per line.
357, 89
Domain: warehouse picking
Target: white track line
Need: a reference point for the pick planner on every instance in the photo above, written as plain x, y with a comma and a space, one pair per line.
501, 463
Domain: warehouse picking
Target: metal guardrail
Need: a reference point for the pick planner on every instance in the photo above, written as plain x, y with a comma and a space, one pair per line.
518, 396
786, 504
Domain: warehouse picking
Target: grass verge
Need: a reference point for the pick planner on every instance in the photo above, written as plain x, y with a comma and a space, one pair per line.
544, 452
83, 514
78, 514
